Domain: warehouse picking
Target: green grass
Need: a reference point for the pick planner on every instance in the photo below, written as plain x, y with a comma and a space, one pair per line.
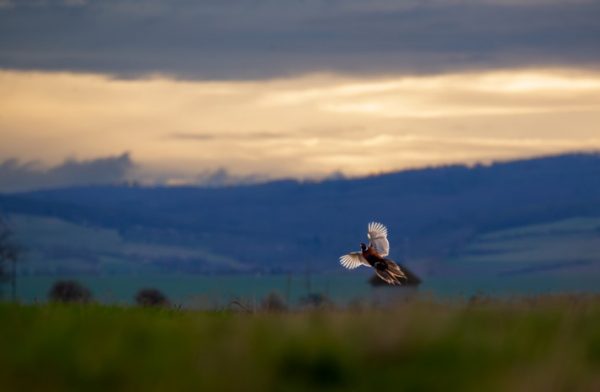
545, 343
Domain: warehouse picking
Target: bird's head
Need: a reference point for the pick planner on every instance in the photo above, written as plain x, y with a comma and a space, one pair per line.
363, 246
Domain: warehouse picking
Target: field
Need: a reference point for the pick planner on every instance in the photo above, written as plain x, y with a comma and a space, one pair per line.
565, 247
549, 343
554, 257
53, 246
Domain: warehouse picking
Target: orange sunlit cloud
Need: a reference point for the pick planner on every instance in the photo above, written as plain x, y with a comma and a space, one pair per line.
303, 126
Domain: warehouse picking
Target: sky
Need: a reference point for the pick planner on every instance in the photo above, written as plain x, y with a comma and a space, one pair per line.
218, 92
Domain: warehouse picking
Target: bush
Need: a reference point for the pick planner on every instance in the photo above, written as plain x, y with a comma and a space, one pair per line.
151, 297
69, 291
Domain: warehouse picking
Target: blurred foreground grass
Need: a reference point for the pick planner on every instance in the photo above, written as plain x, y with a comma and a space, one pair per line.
543, 343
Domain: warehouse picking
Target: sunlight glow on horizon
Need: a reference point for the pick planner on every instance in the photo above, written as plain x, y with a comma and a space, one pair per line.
304, 126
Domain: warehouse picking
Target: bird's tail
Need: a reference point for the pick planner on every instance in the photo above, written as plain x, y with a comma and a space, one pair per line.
390, 272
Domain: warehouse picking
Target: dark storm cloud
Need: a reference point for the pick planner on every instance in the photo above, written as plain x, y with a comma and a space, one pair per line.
263, 38
18, 176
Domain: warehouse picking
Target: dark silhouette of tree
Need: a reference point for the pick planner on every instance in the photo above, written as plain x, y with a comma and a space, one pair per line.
274, 302
69, 291
9, 255
151, 297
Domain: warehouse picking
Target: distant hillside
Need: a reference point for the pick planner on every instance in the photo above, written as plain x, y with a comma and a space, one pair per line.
432, 214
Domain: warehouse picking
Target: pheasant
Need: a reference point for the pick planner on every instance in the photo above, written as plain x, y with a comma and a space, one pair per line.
374, 254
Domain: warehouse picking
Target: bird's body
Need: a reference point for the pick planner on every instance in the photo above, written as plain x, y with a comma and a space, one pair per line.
374, 254
386, 269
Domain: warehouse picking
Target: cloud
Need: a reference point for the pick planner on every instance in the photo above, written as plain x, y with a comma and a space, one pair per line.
18, 176
222, 177
203, 136
238, 39
301, 127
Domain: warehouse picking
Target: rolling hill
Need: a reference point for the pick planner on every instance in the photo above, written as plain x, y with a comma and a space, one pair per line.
435, 216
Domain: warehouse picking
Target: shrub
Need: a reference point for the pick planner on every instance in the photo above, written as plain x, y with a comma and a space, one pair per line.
69, 291
151, 297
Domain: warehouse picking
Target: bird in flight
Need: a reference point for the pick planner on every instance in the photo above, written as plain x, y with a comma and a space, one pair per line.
374, 255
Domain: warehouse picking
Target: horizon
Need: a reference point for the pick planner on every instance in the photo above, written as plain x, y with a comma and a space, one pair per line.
221, 178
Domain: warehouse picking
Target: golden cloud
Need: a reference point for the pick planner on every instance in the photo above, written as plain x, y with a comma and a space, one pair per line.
302, 126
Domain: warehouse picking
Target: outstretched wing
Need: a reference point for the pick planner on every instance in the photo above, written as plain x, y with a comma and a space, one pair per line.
353, 260
377, 234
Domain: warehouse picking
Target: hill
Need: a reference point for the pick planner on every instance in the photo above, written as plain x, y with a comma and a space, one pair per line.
434, 215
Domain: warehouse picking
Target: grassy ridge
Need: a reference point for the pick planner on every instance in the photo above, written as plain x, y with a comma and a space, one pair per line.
549, 343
